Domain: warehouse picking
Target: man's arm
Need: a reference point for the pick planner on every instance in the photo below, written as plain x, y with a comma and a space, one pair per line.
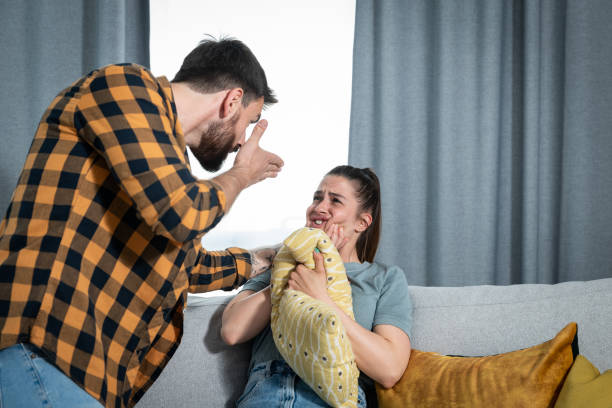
129, 121
226, 270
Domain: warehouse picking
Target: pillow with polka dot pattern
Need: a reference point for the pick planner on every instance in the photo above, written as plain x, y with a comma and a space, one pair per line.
308, 333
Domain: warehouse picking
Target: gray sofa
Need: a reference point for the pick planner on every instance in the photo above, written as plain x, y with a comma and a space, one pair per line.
470, 321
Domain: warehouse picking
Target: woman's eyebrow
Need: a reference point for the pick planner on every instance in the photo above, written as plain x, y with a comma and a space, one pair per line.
320, 192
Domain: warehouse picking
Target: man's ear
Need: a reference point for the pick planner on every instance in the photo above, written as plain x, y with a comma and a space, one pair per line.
365, 219
231, 103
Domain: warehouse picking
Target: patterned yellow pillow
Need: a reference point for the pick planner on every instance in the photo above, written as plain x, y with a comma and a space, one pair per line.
307, 332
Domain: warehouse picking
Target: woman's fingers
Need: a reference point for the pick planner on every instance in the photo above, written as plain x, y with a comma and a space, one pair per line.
294, 281
336, 233
327, 228
319, 264
341, 239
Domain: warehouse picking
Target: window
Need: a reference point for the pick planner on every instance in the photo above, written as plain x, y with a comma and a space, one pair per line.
306, 50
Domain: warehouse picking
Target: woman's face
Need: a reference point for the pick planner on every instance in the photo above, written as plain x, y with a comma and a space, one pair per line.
335, 202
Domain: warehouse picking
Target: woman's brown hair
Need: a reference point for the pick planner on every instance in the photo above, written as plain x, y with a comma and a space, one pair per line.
368, 195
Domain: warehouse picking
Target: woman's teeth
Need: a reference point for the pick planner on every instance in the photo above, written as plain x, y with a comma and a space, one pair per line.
318, 222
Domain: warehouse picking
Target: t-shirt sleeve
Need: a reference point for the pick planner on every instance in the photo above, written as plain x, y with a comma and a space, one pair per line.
259, 282
394, 306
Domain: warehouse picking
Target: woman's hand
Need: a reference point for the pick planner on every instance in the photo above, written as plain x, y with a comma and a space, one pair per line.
336, 234
311, 282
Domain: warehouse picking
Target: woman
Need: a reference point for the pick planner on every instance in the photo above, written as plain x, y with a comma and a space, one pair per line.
347, 207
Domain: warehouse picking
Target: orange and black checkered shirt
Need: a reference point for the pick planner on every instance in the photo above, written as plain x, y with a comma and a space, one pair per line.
102, 237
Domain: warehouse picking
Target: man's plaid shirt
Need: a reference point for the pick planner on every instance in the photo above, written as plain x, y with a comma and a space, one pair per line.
102, 238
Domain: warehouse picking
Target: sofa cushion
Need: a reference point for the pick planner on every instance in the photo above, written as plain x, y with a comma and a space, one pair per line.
530, 377
584, 387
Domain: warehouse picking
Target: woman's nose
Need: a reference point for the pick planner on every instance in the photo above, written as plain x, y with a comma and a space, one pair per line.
322, 207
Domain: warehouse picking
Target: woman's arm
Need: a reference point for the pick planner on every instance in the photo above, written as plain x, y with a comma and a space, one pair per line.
245, 316
382, 354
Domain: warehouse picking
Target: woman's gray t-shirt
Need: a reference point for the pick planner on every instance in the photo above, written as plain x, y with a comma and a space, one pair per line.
380, 296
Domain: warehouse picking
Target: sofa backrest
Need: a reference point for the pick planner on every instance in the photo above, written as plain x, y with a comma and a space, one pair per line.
485, 320
470, 321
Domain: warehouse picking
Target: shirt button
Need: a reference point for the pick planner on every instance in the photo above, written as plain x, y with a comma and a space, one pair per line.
32, 356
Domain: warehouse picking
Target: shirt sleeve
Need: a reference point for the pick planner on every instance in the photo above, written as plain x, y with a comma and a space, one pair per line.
128, 119
219, 270
394, 306
259, 282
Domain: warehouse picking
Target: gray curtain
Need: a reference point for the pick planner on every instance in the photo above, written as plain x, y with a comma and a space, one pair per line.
490, 125
48, 44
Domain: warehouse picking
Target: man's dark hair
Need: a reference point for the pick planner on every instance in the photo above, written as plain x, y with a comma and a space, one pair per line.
216, 65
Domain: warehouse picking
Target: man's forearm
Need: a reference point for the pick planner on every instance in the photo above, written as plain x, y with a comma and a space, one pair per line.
232, 182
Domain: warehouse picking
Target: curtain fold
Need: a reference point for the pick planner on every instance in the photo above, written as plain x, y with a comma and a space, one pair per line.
46, 45
489, 125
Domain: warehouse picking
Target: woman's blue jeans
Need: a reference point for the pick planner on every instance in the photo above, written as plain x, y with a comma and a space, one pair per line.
275, 384
28, 380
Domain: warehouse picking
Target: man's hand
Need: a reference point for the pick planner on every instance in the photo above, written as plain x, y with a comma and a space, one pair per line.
252, 162
261, 259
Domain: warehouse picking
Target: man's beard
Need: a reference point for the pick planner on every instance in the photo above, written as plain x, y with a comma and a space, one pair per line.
216, 143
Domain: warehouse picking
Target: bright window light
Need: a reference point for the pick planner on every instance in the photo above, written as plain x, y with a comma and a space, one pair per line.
306, 51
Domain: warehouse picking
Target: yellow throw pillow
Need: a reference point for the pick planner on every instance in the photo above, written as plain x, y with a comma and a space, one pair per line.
584, 387
530, 377
307, 332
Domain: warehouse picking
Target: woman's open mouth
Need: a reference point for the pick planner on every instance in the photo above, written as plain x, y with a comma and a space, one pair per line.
317, 223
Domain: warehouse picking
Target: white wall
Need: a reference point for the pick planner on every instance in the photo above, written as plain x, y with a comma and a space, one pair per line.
306, 50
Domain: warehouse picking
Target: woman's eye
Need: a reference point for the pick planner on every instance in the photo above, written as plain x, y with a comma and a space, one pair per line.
335, 200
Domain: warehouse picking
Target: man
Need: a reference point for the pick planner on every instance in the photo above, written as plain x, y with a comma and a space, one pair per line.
102, 238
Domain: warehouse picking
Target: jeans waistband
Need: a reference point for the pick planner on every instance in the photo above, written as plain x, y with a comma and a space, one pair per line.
274, 367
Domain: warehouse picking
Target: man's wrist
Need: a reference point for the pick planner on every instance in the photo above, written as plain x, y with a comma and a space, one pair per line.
240, 177
232, 182
261, 259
